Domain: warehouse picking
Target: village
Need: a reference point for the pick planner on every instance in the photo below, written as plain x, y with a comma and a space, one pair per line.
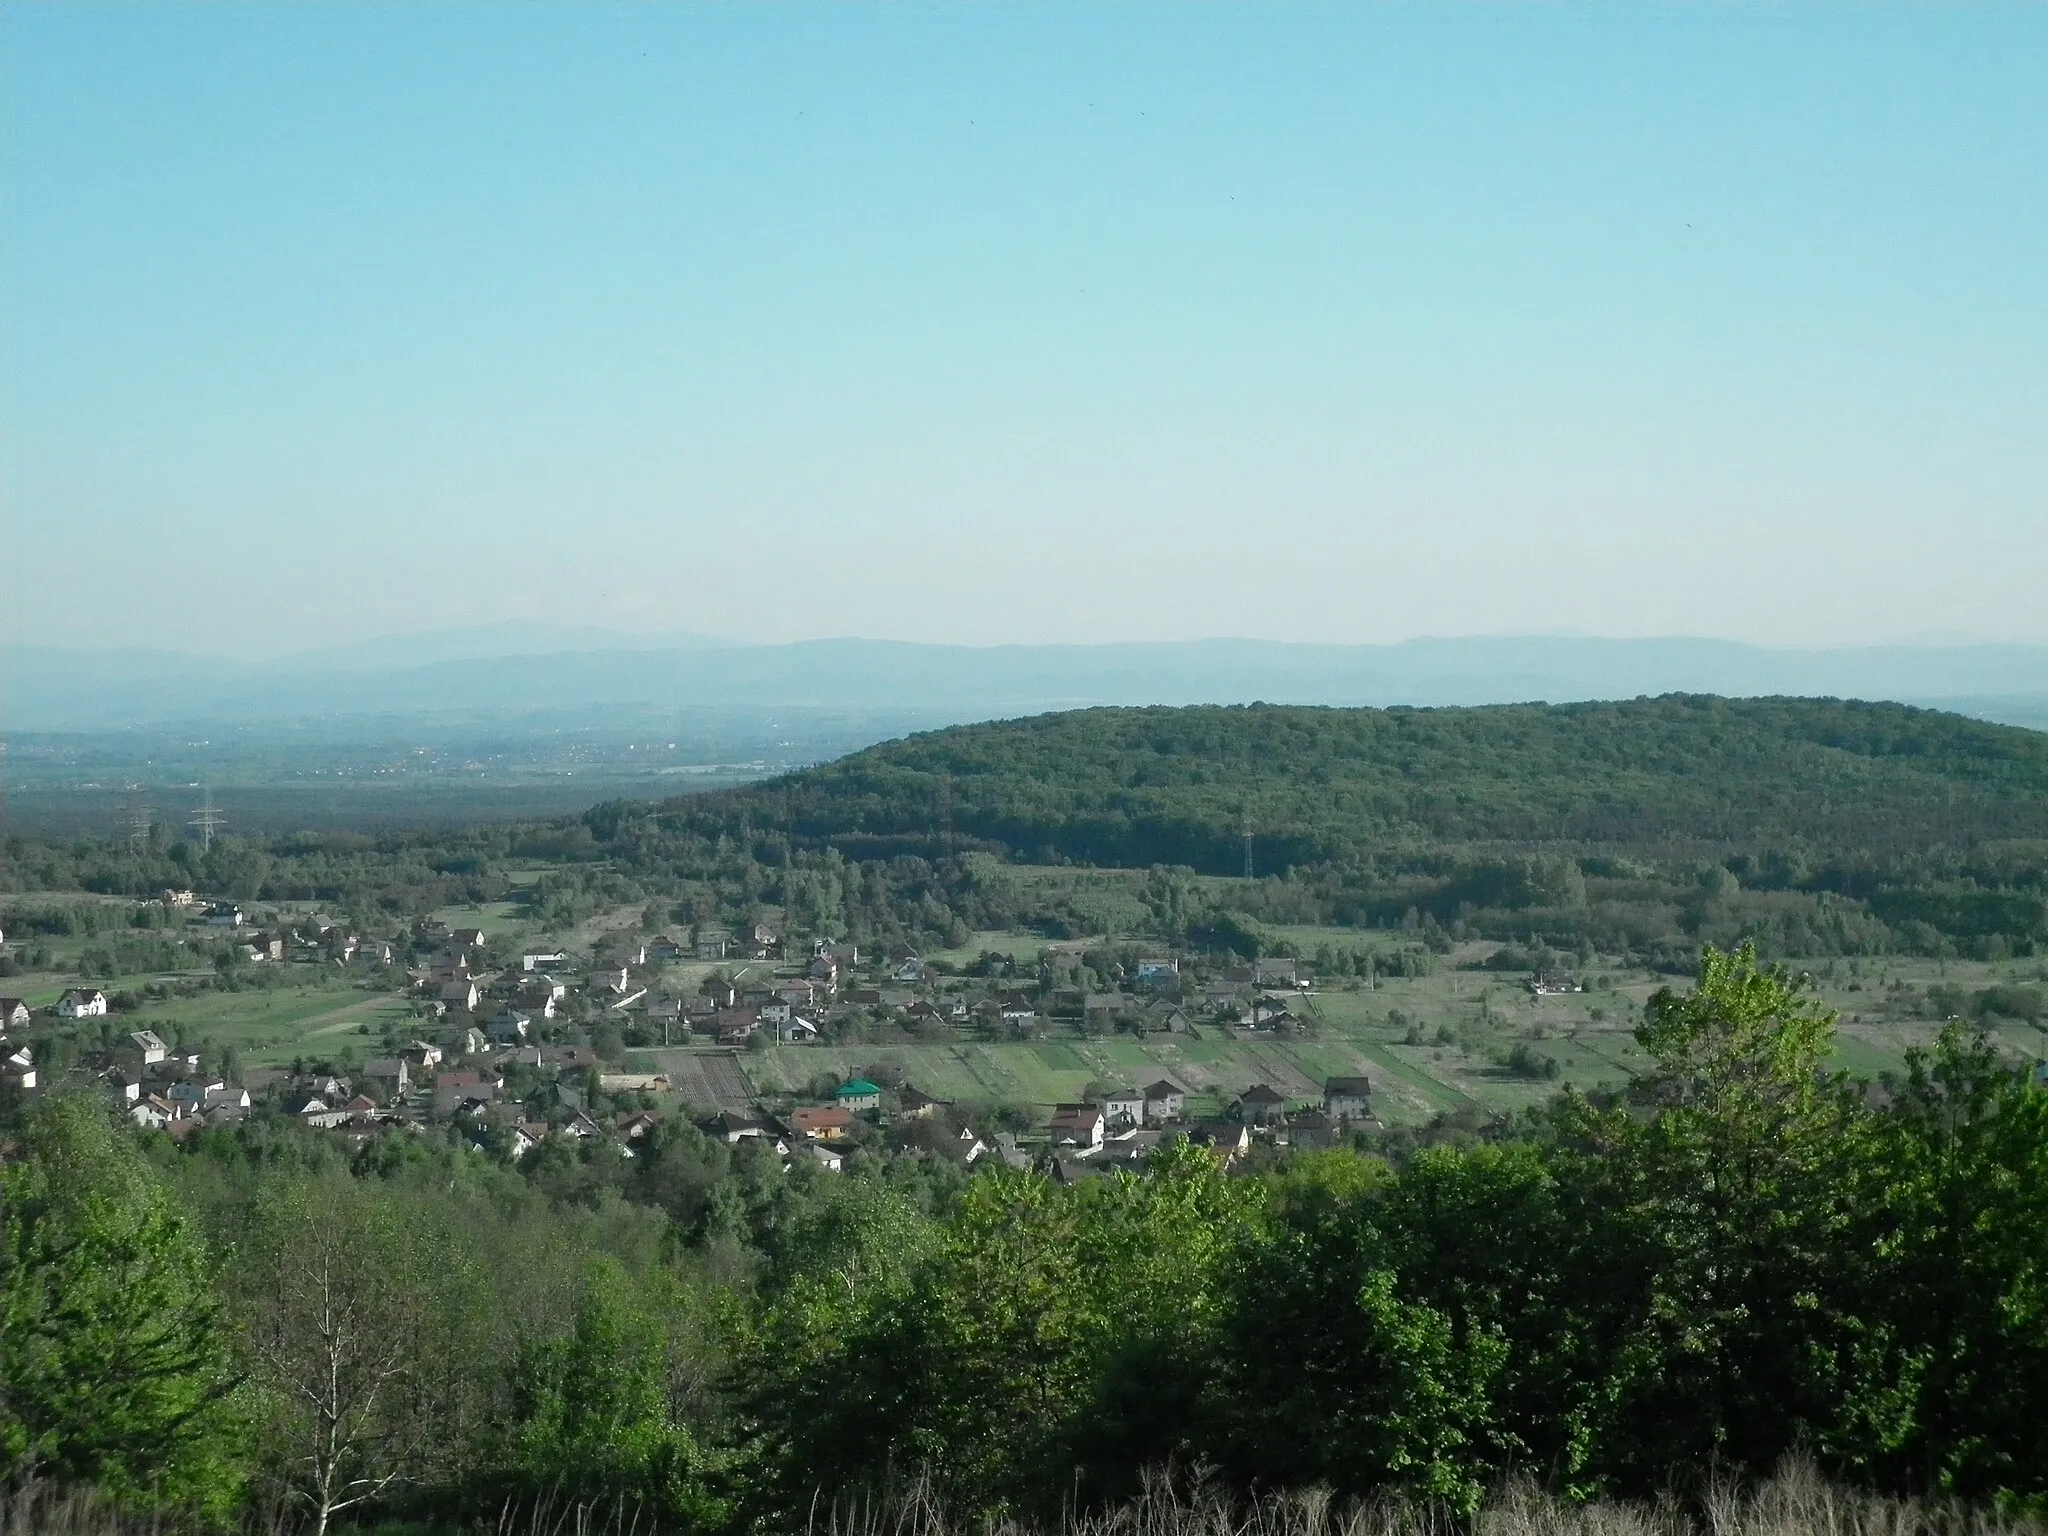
516, 1044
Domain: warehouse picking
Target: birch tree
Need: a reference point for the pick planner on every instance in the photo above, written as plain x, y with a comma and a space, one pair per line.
339, 1299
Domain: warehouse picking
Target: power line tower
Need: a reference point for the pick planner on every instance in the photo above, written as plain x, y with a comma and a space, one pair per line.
207, 819
135, 815
1247, 845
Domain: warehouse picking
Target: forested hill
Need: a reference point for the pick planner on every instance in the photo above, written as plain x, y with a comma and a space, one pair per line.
1638, 830
1820, 780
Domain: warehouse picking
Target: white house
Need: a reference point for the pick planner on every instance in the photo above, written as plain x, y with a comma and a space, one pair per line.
1124, 1110
18, 1067
152, 1114
1078, 1126
82, 1004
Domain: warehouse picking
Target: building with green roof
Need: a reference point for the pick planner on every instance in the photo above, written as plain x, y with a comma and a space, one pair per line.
859, 1094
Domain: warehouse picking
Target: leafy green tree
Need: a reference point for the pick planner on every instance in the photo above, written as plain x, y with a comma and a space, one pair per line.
1728, 1195
1957, 1205
594, 1417
1332, 1370
1041, 1333
114, 1365
1484, 1236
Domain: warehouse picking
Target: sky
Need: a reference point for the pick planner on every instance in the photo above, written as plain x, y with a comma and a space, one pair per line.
1021, 323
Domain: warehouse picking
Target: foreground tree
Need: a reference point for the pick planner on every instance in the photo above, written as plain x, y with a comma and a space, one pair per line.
596, 1415
114, 1366
1725, 1198
340, 1291
1957, 1202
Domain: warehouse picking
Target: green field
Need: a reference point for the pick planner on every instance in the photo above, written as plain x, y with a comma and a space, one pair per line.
1466, 1019
271, 1027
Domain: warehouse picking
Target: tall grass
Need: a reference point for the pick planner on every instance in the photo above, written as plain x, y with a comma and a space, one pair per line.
1798, 1501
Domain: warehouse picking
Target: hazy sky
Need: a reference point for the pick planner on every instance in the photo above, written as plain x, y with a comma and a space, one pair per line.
1002, 323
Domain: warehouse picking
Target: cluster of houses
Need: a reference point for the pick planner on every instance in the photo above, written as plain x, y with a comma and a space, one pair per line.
1119, 1130
824, 1134
423, 1084
313, 939
17, 1061
164, 1088
814, 999
508, 1033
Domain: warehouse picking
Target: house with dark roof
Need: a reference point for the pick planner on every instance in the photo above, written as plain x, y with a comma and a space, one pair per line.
1227, 1138
1311, 1128
1164, 1017
1276, 971
1347, 1098
461, 992
736, 1125
1259, 1105
1101, 1010
913, 1105
1163, 1103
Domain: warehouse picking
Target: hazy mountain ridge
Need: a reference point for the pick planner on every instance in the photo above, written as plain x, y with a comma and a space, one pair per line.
515, 667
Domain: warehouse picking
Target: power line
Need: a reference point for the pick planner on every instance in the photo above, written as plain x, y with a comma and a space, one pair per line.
207, 820
136, 816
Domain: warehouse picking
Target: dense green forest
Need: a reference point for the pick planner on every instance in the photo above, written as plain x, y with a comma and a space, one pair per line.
1842, 781
1637, 829
1743, 1256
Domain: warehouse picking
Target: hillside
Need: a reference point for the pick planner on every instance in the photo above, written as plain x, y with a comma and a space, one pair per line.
1636, 829
1180, 786
1817, 826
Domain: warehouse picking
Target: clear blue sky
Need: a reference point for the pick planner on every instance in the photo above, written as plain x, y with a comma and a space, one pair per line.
1024, 322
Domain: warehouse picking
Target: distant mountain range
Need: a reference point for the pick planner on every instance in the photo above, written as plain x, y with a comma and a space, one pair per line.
523, 669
